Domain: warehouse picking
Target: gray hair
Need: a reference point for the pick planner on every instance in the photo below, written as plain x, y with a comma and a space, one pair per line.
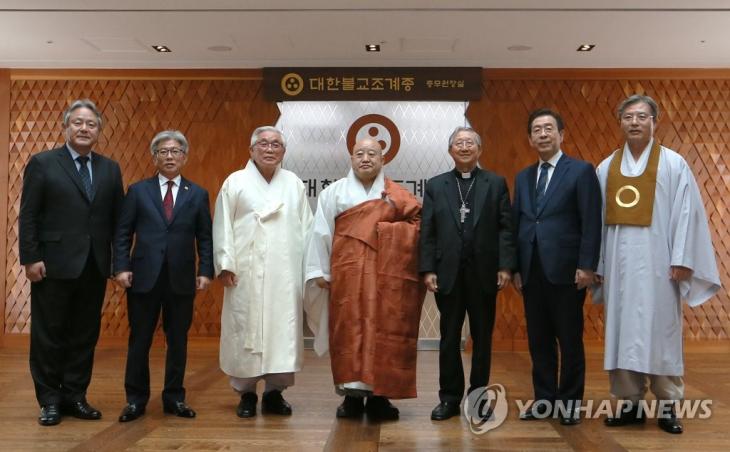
477, 138
635, 99
82, 103
169, 135
262, 129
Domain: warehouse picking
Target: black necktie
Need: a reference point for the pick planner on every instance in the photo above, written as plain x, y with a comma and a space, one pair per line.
85, 176
541, 183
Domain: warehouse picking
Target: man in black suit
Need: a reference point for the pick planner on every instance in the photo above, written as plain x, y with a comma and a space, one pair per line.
466, 254
166, 217
557, 219
71, 198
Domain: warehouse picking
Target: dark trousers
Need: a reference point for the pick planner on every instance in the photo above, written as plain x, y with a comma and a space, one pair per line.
143, 310
554, 315
66, 315
465, 297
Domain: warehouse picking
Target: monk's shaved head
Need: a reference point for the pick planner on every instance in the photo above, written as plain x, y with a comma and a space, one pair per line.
367, 160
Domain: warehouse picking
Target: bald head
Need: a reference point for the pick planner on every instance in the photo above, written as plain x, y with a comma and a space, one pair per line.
367, 160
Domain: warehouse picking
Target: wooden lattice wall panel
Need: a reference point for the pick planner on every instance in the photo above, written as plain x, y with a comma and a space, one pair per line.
694, 121
217, 116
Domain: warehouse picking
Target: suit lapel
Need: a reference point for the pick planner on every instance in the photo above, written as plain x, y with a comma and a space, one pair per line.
69, 166
560, 169
452, 193
95, 173
155, 195
532, 185
480, 194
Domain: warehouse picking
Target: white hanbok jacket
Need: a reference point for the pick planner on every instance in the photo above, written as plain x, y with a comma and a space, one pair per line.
259, 233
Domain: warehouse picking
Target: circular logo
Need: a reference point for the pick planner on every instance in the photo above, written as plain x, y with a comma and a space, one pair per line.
486, 408
292, 84
632, 189
379, 128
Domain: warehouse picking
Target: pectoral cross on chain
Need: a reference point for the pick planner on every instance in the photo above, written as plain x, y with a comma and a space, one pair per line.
463, 210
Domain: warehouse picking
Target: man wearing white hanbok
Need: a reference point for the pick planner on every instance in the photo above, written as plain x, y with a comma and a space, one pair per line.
656, 252
261, 223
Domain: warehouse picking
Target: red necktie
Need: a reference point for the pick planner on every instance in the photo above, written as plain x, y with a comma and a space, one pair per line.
167, 202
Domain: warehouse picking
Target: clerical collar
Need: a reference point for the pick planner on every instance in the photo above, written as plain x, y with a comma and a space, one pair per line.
468, 175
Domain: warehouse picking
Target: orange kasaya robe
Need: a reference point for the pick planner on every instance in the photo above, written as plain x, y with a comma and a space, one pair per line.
376, 294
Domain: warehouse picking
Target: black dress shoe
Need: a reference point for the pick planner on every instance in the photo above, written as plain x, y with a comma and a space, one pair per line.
570, 419
351, 407
670, 423
273, 402
247, 405
380, 408
535, 412
50, 415
445, 410
82, 410
131, 412
179, 409
629, 417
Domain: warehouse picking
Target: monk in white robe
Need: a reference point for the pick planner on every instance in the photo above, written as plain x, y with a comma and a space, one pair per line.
262, 219
648, 270
363, 297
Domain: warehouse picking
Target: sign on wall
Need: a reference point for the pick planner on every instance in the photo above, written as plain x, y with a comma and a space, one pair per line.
363, 83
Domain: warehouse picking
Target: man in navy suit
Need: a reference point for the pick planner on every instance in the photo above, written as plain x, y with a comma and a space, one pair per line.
557, 219
169, 217
466, 255
71, 198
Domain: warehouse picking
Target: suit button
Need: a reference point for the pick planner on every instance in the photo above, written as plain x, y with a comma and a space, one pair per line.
537, 222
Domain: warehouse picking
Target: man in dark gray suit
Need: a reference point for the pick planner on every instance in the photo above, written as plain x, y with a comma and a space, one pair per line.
70, 201
167, 218
466, 255
557, 219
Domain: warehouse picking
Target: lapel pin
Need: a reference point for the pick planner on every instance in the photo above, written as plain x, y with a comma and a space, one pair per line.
186, 187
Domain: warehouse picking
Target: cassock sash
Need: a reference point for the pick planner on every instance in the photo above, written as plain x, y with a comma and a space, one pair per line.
630, 200
376, 294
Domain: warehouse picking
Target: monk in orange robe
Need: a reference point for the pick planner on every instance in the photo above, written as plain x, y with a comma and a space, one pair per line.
363, 258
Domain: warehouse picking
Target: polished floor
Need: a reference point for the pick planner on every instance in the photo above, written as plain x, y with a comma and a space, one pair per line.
313, 425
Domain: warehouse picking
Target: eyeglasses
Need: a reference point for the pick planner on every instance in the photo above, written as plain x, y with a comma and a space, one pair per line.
539, 130
464, 143
164, 152
273, 145
641, 117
